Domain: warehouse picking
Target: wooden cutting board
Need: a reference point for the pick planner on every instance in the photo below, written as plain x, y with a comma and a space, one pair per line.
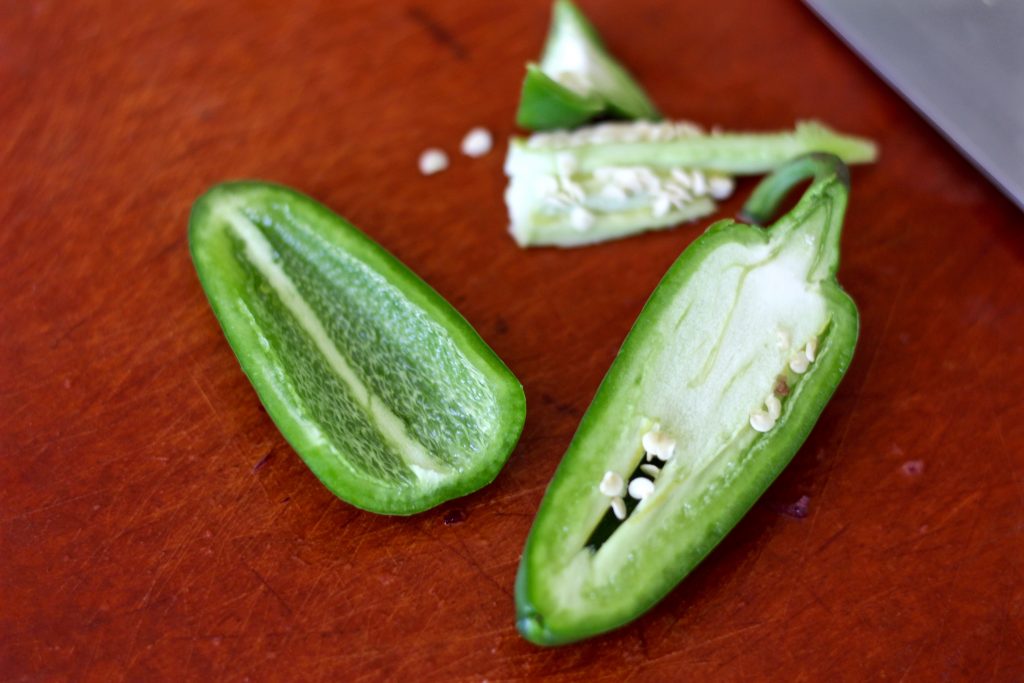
155, 526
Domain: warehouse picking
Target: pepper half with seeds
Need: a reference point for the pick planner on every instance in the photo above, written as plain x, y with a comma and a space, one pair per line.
720, 381
612, 180
577, 78
382, 388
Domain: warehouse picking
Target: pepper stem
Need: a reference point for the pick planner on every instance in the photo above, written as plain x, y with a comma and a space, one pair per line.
768, 195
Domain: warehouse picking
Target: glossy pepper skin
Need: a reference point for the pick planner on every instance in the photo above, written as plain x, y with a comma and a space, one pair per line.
389, 396
720, 334
602, 85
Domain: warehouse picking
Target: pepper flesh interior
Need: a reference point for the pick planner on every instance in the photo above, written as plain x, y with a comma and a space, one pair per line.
701, 358
383, 389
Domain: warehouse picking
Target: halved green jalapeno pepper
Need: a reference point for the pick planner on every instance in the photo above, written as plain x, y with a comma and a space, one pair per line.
715, 388
385, 391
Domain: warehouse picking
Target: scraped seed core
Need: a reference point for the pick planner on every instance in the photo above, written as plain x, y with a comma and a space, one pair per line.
611, 185
569, 189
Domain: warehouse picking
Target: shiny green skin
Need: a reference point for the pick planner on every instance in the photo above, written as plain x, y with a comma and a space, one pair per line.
551, 607
545, 104
416, 354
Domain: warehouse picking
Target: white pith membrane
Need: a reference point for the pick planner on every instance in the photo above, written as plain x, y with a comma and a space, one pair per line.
261, 255
746, 299
550, 207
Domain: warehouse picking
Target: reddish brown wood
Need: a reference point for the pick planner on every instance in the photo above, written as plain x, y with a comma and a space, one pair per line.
153, 524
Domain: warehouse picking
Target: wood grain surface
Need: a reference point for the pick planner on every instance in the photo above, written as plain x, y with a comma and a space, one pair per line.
155, 526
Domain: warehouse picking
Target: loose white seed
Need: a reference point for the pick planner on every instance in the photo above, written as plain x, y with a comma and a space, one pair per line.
477, 142
649, 180
433, 161
565, 163
700, 184
650, 470
661, 206
619, 507
573, 190
612, 484
681, 177
799, 363
811, 350
613, 192
678, 194
581, 219
659, 444
774, 406
761, 421
721, 186
640, 488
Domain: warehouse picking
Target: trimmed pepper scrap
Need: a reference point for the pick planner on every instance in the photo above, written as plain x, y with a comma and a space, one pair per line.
577, 78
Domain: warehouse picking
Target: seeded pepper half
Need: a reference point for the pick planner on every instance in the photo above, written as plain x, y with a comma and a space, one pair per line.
717, 385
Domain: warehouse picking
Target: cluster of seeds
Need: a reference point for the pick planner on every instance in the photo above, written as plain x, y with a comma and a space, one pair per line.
616, 131
563, 193
763, 419
802, 359
674, 189
656, 444
477, 143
